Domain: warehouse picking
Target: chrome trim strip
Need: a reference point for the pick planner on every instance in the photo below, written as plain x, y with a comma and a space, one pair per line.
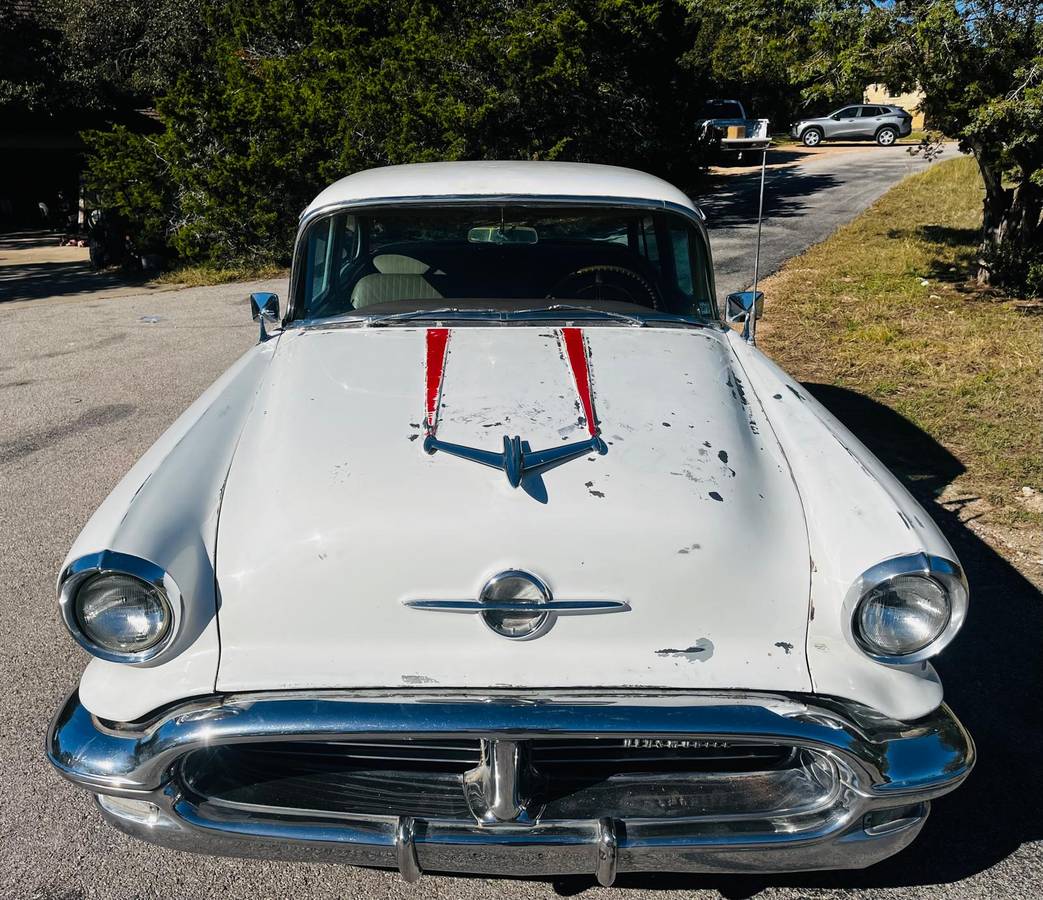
108, 562
405, 850
608, 852
559, 607
693, 215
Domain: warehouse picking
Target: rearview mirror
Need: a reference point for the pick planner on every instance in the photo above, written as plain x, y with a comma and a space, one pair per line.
503, 234
264, 307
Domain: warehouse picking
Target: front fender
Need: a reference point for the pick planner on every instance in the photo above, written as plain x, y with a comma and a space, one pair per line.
165, 510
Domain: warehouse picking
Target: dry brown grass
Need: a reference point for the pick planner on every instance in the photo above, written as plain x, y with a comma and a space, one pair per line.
886, 308
201, 276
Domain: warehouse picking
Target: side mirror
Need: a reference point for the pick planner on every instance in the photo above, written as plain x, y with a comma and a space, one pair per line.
264, 307
739, 306
741, 302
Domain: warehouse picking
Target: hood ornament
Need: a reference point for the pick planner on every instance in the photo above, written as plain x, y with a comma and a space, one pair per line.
517, 459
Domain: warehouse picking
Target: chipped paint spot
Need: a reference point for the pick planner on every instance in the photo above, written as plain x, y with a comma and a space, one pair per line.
684, 551
707, 444
722, 456
687, 473
598, 494
413, 437
715, 496
776, 396
785, 645
700, 651
666, 424
418, 679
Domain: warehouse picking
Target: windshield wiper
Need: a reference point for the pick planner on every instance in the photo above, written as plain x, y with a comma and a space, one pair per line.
636, 321
389, 318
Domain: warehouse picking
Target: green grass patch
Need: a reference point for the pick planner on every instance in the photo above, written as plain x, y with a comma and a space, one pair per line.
201, 276
887, 308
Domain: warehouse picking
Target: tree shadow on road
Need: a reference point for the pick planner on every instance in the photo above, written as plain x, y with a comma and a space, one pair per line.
993, 681
24, 275
732, 200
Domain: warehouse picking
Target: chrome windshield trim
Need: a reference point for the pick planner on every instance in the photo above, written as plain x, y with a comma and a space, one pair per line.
487, 317
694, 216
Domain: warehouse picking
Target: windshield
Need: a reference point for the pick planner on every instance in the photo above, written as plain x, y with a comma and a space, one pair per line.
515, 257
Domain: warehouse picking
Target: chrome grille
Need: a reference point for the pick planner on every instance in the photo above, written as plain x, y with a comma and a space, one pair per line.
568, 778
421, 779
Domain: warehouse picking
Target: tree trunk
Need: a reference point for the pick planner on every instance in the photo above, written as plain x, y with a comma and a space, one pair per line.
994, 209
1010, 222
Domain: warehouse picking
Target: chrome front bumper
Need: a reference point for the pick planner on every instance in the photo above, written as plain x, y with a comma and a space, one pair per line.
886, 772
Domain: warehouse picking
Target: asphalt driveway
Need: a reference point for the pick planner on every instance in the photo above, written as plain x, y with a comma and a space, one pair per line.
807, 196
88, 381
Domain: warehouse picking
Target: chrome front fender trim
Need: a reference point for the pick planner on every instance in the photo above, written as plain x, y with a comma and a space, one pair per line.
890, 771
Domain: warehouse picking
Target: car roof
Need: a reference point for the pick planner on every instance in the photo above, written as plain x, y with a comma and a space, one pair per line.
521, 179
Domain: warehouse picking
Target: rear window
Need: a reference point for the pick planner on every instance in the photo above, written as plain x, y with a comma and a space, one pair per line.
722, 109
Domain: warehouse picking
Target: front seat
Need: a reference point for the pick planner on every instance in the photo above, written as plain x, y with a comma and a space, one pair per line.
397, 278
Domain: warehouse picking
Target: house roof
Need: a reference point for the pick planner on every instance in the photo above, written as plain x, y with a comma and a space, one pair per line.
499, 179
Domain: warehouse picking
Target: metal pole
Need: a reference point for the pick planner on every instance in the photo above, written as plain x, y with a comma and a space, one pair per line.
757, 257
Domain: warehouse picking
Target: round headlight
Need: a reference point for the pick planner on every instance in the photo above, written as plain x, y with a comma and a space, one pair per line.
121, 613
903, 615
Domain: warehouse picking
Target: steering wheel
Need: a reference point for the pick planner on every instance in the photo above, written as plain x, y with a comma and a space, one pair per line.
604, 282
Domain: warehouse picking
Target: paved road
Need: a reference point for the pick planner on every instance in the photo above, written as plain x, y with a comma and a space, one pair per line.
88, 382
805, 199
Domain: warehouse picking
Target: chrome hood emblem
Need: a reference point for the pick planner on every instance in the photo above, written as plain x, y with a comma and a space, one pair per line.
519, 606
517, 459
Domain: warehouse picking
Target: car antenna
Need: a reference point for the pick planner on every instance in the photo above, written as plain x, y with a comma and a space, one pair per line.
751, 302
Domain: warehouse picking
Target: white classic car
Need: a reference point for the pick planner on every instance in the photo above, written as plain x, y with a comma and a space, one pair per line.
504, 554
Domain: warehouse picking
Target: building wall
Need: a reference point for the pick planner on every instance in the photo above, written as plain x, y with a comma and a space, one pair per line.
909, 101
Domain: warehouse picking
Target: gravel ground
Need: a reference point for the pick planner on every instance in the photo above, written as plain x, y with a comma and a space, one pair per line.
87, 383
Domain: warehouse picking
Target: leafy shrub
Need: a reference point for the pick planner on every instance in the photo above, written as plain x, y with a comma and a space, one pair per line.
293, 96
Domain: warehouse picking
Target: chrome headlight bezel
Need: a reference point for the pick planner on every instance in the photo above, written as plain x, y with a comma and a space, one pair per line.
944, 572
108, 562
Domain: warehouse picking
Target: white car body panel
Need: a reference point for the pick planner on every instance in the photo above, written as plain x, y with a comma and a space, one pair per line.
363, 519
165, 509
858, 514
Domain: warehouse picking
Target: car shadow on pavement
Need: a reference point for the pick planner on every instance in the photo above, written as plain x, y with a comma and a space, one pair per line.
993, 682
732, 200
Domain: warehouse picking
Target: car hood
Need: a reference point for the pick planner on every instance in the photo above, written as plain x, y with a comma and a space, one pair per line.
333, 515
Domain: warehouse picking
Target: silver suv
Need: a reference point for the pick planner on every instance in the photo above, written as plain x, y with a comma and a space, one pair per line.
883, 124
